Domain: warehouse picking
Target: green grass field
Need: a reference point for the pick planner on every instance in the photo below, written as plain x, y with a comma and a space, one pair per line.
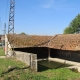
61, 74
2, 53
12, 69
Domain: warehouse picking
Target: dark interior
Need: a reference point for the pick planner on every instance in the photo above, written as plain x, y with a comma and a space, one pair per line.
42, 52
65, 54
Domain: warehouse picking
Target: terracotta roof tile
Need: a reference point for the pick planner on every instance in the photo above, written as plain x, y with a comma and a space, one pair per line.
30, 41
64, 42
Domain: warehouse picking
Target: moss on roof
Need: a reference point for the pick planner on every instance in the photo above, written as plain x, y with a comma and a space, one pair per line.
62, 41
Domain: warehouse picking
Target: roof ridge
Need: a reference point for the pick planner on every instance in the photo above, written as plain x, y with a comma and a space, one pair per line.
51, 39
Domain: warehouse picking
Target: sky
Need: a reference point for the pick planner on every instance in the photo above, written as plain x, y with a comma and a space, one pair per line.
40, 17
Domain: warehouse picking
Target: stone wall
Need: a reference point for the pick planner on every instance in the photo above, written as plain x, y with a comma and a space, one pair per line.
65, 54
28, 58
8, 49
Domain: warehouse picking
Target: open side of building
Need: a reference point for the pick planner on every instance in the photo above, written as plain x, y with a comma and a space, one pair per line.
45, 53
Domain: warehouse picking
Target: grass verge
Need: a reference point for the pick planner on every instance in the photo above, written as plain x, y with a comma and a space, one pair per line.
61, 74
11, 69
2, 53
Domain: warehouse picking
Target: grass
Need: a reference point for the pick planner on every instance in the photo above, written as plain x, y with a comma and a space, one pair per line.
61, 74
10, 66
19, 72
12, 69
7, 63
2, 53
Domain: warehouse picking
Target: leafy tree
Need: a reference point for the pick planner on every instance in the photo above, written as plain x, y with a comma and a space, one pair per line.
74, 26
23, 33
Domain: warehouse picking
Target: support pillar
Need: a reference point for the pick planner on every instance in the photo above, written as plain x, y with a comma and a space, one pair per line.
33, 64
48, 53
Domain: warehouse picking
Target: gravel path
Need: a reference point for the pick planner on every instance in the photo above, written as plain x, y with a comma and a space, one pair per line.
2, 56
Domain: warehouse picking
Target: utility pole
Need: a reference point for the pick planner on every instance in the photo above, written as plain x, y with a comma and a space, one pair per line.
11, 17
3, 36
4, 28
11, 26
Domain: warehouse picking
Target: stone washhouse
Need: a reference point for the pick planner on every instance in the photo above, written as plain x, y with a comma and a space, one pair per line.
63, 46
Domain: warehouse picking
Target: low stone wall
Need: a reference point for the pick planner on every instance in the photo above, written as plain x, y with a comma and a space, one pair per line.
22, 56
28, 58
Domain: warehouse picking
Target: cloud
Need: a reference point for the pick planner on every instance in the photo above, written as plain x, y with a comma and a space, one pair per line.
52, 3
59, 5
48, 4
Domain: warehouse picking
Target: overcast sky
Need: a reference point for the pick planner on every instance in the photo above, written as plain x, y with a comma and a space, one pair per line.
40, 17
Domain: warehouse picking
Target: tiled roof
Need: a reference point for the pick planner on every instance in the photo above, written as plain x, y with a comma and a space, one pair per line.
30, 40
64, 42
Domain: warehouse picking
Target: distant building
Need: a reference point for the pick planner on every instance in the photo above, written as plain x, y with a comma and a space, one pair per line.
2, 40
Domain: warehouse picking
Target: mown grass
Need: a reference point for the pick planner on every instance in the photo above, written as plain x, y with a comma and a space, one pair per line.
7, 63
2, 53
61, 74
12, 69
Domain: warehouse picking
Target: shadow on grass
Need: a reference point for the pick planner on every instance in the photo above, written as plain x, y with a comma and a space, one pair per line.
12, 69
44, 68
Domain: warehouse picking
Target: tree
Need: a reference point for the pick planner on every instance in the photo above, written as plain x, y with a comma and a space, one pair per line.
74, 26
23, 33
